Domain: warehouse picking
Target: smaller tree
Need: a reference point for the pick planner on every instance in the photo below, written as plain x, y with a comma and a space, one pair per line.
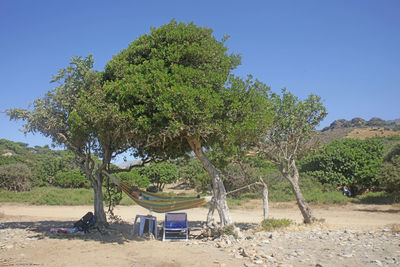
77, 115
290, 136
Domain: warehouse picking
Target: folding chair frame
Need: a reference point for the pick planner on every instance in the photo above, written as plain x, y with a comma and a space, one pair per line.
172, 230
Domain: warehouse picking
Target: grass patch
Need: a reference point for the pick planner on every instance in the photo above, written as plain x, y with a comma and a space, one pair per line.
329, 197
273, 224
379, 198
126, 200
234, 203
229, 230
49, 196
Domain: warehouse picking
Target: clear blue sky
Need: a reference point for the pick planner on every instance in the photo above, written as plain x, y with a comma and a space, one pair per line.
346, 51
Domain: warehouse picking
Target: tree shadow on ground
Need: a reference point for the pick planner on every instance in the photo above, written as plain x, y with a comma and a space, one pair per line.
119, 232
379, 211
115, 233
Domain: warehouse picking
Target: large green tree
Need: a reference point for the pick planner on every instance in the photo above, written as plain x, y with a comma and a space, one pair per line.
174, 82
347, 162
77, 115
290, 136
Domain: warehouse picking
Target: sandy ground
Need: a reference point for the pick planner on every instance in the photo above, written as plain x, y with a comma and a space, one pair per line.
25, 238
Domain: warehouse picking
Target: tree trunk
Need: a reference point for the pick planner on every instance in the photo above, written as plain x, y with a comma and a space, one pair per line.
265, 202
210, 215
98, 201
301, 202
219, 192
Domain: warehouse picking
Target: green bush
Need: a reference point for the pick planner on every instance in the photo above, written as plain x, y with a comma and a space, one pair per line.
350, 162
390, 176
273, 224
15, 177
192, 172
71, 179
160, 174
134, 178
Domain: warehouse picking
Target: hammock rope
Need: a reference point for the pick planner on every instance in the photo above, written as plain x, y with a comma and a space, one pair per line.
156, 202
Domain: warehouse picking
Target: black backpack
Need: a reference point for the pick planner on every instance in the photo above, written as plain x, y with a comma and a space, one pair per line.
86, 222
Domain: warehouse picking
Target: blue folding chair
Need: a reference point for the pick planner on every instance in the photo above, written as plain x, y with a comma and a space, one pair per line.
175, 227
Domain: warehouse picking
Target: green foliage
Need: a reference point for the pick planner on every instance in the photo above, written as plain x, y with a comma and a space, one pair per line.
134, 177
272, 224
70, 179
160, 174
192, 172
389, 174
229, 230
42, 162
15, 177
293, 128
350, 162
173, 84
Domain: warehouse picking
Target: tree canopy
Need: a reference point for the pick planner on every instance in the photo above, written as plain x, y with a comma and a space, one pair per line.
347, 162
175, 84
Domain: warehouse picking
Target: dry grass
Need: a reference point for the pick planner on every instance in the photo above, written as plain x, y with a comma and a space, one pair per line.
2, 215
396, 228
363, 133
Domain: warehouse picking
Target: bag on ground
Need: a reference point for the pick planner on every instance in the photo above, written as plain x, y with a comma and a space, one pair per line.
86, 222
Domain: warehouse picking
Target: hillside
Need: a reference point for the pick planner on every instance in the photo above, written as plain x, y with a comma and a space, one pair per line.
359, 128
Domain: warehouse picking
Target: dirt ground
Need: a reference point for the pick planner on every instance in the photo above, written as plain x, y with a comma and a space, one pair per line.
25, 238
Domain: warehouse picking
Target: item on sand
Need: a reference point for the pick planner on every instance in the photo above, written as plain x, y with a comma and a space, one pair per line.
86, 222
175, 227
151, 222
157, 202
64, 230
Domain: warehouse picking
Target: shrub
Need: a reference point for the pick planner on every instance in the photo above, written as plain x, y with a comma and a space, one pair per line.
272, 224
160, 174
70, 179
350, 162
15, 177
134, 178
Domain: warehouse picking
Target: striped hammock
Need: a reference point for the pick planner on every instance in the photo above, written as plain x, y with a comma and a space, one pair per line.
156, 202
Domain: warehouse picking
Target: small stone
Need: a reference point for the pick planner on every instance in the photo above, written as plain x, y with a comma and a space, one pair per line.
347, 255
299, 251
266, 242
377, 262
258, 261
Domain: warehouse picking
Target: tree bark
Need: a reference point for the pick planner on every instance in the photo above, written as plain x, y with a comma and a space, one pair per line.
265, 202
98, 201
210, 215
219, 192
301, 201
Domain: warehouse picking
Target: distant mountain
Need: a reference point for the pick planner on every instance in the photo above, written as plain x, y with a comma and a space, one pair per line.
396, 121
359, 128
360, 122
